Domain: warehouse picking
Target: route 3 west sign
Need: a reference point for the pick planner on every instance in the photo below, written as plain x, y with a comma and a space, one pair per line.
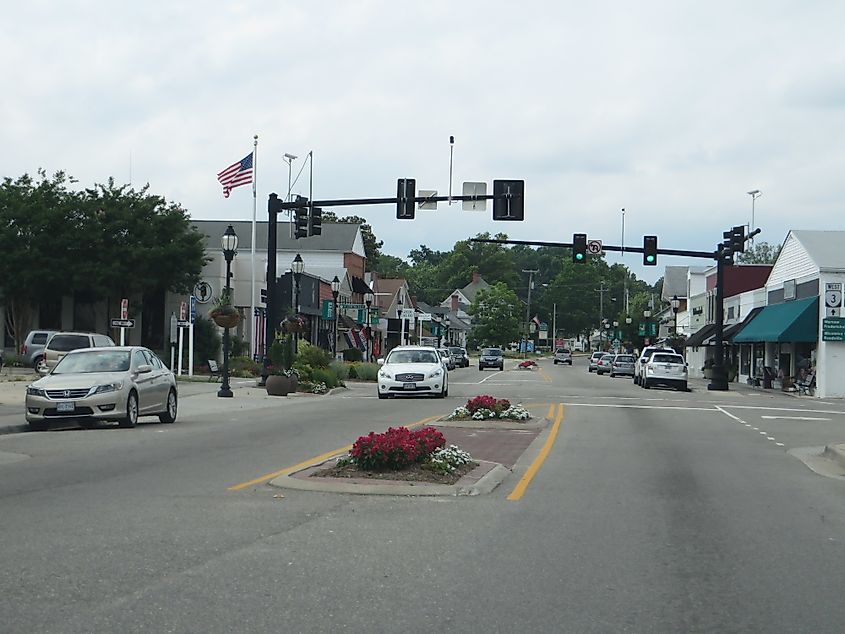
833, 299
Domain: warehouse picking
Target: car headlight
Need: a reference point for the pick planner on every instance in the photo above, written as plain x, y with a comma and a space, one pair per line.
34, 391
385, 375
108, 387
435, 372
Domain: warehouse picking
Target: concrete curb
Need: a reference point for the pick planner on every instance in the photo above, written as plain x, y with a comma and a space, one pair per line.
536, 423
14, 429
494, 474
835, 453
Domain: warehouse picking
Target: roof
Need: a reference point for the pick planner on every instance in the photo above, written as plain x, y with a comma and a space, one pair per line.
359, 286
390, 287
697, 338
336, 236
795, 321
824, 247
674, 282
471, 289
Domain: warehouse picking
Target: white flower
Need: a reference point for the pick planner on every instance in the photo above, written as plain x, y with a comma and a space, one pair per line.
460, 412
516, 412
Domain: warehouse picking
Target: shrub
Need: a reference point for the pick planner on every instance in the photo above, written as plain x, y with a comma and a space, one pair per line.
324, 375
243, 367
206, 340
446, 459
340, 369
281, 352
481, 402
367, 371
304, 371
239, 347
396, 448
352, 371
353, 354
312, 355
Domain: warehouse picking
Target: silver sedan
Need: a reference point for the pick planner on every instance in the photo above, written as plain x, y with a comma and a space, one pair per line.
103, 384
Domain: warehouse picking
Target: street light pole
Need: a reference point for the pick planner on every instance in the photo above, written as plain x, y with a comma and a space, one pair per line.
335, 292
676, 303
297, 267
402, 318
531, 273
230, 246
755, 194
368, 300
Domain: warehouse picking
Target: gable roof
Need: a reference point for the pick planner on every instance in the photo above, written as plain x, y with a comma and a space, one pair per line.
674, 282
471, 289
336, 236
825, 248
390, 287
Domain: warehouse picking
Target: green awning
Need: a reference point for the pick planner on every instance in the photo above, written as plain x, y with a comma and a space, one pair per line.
796, 321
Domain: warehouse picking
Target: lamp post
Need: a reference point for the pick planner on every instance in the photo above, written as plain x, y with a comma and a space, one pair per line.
676, 303
646, 315
368, 301
335, 292
628, 331
230, 247
755, 194
402, 327
296, 267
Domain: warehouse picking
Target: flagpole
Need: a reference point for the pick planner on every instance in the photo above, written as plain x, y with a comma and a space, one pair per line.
252, 338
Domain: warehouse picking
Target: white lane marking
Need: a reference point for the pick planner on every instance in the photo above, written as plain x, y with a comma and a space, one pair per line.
729, 415
764, 433
756, 428
785, 409
769, 438
496, 373
625, 406
793, 418
779, 444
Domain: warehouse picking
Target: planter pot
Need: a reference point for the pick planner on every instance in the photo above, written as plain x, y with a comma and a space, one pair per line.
226, 319
278, 385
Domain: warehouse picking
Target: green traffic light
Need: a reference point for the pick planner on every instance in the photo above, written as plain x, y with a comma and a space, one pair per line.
579, 256
650, 258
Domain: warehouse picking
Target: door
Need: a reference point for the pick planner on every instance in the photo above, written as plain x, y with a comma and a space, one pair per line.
145, 382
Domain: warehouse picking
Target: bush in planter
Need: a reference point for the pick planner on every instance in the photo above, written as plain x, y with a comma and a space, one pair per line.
353, 354
340, 369
367, 371
243, 367
281, 352
325, 375
312, 355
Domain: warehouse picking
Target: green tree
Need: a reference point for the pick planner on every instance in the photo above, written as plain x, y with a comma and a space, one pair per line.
390, 267
760, 253
496, 312
493, 261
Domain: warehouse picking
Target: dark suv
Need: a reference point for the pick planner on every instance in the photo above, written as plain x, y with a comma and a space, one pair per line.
491, 358
460, 357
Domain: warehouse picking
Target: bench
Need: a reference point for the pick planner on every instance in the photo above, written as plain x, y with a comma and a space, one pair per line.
213, 370
807, 385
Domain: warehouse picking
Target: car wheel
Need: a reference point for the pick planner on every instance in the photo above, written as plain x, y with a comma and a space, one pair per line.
169, 415
612, 375
683, 387
645, 384
40, 365
37, 360
131, 418
480, 369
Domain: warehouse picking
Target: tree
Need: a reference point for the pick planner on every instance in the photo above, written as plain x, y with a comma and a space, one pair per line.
493, 261
372, 245
760, 253
496, 312
390, 267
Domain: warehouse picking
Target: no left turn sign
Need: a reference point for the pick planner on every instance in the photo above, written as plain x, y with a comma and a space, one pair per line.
594, 247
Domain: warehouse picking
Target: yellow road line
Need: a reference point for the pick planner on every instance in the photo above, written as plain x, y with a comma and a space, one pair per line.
312, 461
522, 485
551, 411
545, 376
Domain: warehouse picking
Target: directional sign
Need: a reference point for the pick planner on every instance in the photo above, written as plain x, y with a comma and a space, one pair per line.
594, 247
203, 292
833, 329
122, 323
408, 313
183, 323
425, 316
833, 299
193, 311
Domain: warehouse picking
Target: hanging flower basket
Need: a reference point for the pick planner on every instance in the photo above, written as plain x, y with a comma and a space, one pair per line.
225, 316
294, 323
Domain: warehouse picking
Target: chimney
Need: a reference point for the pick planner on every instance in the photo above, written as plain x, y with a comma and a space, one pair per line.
476, 277
455, 303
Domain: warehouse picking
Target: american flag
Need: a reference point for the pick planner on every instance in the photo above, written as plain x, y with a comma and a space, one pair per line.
237, 174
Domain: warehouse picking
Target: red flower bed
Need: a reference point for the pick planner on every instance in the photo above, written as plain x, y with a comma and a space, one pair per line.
396, 448
487, 402
528, 363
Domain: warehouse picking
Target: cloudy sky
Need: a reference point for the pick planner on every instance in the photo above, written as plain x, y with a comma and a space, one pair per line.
671, 110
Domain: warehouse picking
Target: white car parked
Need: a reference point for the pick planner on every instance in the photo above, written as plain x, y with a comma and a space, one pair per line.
645, 355
665, 368
413, 370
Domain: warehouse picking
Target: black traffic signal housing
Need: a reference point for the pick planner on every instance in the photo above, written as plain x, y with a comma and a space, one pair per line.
300, 218
315, 222
579, 248
406, 193
737, 239
508, 200
726, 249
650, 250
274, 205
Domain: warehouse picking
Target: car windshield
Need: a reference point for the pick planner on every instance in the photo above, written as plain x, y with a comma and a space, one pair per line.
561, 351
491, 352
607, 357
667, 358
598, 355
624, 358
412, 356
456, 351
96, 360
66, 343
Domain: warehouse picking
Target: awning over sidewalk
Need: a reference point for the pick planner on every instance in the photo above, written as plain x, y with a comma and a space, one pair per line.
730, 331
701, 335
796, 321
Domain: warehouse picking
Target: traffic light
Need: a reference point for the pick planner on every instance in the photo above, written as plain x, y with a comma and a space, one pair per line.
315, 224
300, 219
406, 192
508, 200
274, 205
737, 238
650, 250
579, 248
726, 249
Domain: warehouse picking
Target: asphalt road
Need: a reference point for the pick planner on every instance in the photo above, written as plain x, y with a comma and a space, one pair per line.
655, 511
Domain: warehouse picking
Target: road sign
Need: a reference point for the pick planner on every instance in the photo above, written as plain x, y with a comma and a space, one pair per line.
183, 311
408, 313
328, 309
474, 189
833, 329
430, 204
122, 323
183, 323
424, 316
594, 247
616, 343
203, 292
193, 309
641, 329
833, 299
124, 308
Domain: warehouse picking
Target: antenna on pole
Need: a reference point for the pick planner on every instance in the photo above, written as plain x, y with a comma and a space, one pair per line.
451, 154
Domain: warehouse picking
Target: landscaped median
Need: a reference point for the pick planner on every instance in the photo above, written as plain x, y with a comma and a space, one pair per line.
468, 452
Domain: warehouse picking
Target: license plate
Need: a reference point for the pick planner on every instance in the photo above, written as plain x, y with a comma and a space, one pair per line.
409, 386
65, 407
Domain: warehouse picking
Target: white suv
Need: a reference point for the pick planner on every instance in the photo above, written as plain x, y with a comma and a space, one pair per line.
645, 355
665, 368
413, 370
61, 343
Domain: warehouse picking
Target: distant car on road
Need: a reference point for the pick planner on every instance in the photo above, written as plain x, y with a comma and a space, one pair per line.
603, 364
563, 355
622, 365
491, 358
32, 349
594, 359
448, 361
460, 356
665, 368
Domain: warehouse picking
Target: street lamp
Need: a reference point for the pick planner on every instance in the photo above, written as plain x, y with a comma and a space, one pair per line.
368, 301
230, 247
755, 194
676, 303
297, 267
402, 318
335, 292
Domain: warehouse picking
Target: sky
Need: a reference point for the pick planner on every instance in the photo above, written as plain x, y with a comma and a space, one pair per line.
672, 111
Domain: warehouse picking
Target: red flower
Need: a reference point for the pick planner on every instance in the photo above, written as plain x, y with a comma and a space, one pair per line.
396, 448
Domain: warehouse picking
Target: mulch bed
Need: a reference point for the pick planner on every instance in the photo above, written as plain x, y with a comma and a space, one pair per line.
414, 473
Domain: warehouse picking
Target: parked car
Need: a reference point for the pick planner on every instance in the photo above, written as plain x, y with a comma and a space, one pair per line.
413, 370
103, 384
563, 355
622, 365
645, 355
594, 359
460, 356
603, 364
491, 358
448, 361
60, 343
664, 368
33, 346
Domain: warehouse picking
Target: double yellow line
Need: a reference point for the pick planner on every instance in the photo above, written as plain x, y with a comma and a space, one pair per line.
522, 485
311, 461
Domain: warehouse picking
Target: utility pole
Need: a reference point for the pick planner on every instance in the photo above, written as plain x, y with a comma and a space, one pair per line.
531, 273
601, 291
554, 325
